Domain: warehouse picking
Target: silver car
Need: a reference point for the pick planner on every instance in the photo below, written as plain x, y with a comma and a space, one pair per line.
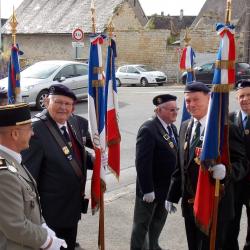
36, 80
139, 74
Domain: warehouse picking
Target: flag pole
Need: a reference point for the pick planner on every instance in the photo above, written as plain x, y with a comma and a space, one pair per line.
101, 236
13, 24
110, 32
217, 182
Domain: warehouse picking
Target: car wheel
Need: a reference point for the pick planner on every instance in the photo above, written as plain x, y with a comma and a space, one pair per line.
144, 82
118, 82
40, 99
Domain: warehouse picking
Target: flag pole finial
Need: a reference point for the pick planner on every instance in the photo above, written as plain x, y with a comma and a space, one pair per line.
110, 28
228, 12
93, 16
187, 39
13, 24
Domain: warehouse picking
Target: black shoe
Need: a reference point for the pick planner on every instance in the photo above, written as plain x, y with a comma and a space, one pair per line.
77, 244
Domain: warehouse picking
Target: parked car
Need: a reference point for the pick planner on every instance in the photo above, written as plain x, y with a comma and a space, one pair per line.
205, 73
36, 80
139, 74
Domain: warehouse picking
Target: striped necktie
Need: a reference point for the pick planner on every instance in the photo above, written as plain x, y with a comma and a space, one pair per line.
66, 135
195, 139
171, 134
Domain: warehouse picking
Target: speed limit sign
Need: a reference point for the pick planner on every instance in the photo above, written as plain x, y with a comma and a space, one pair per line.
77, 34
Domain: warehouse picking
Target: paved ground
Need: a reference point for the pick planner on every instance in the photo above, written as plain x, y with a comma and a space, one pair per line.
119, 205
135, 107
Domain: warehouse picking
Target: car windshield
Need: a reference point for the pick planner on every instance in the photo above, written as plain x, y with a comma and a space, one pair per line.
144, 68
40, 70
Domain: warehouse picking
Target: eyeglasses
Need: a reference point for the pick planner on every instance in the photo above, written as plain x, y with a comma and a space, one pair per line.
61, 103
172, 110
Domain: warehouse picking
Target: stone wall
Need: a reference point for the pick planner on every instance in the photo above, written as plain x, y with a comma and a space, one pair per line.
125, 18
133, 46
147, 47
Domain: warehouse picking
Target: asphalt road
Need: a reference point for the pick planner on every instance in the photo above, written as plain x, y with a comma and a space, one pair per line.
135, 107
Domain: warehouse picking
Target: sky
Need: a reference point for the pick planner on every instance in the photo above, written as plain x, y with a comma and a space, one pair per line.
150, 7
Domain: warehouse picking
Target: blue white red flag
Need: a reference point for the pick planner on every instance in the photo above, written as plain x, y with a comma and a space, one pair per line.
96, 112
14, 90
112, 127
215, 145
187, 63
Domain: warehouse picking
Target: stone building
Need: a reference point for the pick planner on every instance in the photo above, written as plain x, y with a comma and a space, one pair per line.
45, 27
44, 32
203, 33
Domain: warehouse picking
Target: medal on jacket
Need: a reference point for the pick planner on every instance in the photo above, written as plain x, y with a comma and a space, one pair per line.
167, 138
197, 159
65, 150
246, 131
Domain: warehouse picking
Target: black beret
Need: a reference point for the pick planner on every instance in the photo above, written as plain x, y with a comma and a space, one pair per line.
159, 99
14, 114
3, 93
60, 89
196, 87
243, 84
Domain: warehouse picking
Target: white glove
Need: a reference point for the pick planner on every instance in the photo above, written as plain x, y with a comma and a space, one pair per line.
170, 207
57, 244
149, 197
50, 232
104, 159
219, 171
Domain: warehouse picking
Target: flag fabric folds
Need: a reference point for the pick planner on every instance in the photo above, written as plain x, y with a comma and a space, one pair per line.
112, 127
187, 63
14, 91
96, 112
215, 144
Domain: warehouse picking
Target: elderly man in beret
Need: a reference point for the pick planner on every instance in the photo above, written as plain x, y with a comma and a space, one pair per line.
156, 154
58, 161
184, 179
21, 222
241, 118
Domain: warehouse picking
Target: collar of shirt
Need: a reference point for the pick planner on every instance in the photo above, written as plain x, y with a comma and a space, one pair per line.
14, 154
61, 125
203, 124
243, 115
164, 124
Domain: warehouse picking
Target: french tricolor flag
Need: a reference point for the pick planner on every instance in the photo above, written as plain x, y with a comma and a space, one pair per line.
14, 90
216, 137
96, 112
112, 128
187, 58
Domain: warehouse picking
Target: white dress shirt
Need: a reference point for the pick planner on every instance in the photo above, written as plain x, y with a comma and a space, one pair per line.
203, 124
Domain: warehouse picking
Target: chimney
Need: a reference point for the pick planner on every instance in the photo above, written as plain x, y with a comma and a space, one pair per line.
162, 13
181, 14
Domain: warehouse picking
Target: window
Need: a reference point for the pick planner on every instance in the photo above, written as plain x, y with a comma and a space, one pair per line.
67, 72
132, 70
123, 69
207, 67
81, 69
